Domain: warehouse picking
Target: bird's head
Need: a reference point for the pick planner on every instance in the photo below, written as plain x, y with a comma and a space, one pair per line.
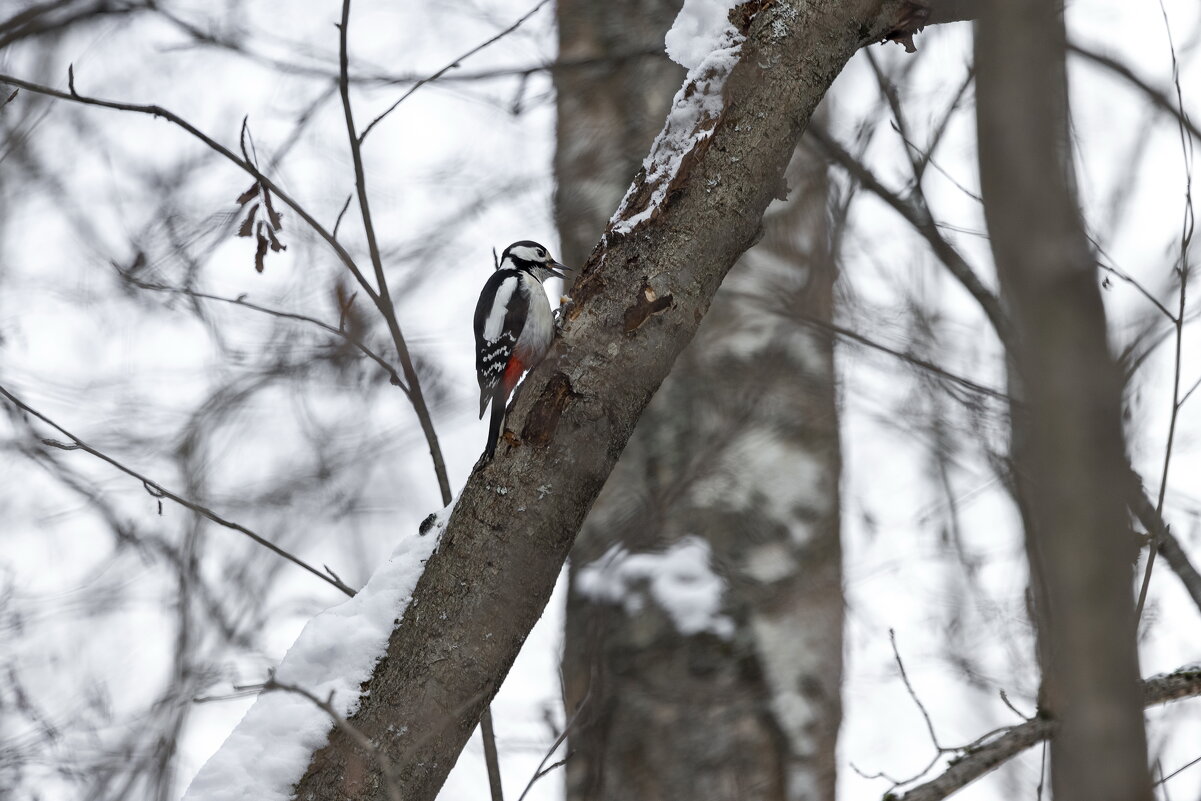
534, 259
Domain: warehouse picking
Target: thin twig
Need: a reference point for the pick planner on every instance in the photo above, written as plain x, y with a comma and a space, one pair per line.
342, 213
1167, 454
362, 740
491, 759
892, 638
919, 218
1185, 683
1158, 99
360, 77
1182, 271
1012, 708
540, 771
156, 490
245, 165
385, 308
1184, 398
1178, 770
1042, 772
435, 76
1124, 276
393, 375
1143, 508
383, 299
769, 303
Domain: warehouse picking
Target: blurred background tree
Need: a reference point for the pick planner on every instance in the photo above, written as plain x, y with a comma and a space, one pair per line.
729, 485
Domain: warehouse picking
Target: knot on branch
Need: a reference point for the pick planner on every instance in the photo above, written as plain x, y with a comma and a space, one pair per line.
648, 303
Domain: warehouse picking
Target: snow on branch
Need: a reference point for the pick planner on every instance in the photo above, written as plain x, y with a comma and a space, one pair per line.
680, 580
705, 41
335, 653
983, 757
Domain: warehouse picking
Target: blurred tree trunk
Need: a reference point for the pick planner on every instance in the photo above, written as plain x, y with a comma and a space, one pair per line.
1068, 448
735, 463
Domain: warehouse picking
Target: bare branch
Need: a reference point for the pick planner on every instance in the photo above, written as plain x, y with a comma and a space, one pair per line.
386, 770
1182, 274
491, 759
923, 223
978, 761
1144, 509
393, 376
445, 69
448, 74
212, 144
383, 300
1156, 97
156, 490
1179, 770
541, 771
892, 639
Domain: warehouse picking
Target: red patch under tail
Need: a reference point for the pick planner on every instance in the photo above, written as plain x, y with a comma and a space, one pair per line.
513, 371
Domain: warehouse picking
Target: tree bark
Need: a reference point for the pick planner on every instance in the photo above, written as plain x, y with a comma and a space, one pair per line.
638, 302
1068, 449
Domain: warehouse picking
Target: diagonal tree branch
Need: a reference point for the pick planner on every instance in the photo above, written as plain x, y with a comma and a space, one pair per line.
1159, 99
159, 491
918, 216
514, 523
978, 761
1173, 552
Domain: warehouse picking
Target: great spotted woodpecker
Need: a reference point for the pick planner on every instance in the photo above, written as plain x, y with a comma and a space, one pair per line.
513, 327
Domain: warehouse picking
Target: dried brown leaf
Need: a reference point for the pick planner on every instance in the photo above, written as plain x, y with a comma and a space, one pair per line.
249, 194
275, 216
260, 253
275, 244
248, 224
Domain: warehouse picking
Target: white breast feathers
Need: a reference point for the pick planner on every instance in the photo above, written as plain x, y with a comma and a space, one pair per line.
539, 330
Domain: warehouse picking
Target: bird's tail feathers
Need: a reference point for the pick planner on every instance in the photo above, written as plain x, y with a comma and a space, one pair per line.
496, 422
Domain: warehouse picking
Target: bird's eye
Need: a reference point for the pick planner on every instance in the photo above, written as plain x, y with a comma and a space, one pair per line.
541, 253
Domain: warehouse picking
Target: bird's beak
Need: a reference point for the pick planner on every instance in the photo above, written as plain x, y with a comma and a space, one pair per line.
558, 269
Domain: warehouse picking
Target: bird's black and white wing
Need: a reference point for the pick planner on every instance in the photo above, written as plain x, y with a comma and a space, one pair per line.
500, 317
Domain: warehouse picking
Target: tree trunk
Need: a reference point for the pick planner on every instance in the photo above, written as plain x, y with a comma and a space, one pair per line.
1068, 450
638, 302
737, 456
730, 479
